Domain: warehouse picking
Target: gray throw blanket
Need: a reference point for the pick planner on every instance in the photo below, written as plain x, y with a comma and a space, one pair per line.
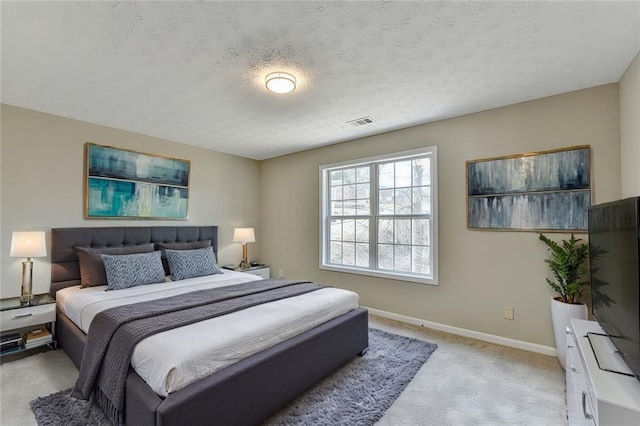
114, 332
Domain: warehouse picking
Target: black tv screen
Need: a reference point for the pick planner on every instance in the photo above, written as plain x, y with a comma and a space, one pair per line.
614, 247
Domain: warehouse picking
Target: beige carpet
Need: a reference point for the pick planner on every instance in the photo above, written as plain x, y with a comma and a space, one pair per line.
465, 382
471, 382
24, 380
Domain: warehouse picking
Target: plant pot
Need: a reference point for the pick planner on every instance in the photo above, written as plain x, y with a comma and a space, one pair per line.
561, 314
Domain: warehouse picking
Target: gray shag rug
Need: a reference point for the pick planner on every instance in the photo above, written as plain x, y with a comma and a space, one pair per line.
357, 394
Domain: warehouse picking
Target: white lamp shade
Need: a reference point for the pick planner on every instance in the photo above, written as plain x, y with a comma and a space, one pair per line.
244, 235
280, 82
28, 244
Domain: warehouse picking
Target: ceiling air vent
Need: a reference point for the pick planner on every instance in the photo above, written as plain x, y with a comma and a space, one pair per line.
361, 121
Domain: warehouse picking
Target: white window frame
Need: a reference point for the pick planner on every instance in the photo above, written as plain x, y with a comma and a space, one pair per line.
432, 151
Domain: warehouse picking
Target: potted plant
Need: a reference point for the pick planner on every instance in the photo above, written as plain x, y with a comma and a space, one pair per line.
568, 263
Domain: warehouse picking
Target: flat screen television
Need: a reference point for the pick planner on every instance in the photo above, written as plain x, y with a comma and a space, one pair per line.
614, 248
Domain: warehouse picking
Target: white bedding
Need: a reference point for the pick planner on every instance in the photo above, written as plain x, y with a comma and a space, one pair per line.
171, 360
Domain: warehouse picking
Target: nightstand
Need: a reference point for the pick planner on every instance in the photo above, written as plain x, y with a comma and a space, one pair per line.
15, 318
263, 271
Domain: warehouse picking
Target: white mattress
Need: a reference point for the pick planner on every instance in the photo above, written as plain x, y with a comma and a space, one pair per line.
171, 360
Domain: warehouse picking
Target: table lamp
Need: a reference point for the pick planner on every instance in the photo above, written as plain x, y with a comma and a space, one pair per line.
244, 236
27, 244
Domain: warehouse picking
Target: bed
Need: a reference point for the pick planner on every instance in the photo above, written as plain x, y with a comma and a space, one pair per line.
245, 392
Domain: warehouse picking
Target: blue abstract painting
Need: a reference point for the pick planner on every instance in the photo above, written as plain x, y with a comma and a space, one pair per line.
548, 191
128, 184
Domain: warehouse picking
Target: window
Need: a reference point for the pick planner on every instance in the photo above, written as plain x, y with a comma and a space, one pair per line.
379, 216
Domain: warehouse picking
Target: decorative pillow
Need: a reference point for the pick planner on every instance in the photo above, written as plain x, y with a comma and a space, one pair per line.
131, 270
91, 266
192, 263
180, 246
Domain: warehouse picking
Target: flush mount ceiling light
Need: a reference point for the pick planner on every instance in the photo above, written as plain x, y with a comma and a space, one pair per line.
280, 82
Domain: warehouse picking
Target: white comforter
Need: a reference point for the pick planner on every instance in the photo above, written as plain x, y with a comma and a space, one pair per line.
171, 360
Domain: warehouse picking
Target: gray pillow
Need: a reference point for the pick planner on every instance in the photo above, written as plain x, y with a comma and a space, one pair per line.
91, 266
191, 245
192, 263
131, 270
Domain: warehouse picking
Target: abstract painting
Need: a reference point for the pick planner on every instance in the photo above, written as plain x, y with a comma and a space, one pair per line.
540, 191
126, 184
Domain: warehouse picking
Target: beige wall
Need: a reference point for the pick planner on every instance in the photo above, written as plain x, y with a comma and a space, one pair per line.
630, 129
42, 179
480, 271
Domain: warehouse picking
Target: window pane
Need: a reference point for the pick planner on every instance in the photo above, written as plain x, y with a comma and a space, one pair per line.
403, 231
349, 192
429, 269
335, 252
385, 205
363, 190
349, 207
349, 176
336, 230
403, 201
421, 171
385, 231
385, 175
336, 192
336, 177
362, 174
420, 260
403, 174
421, 232
385, 256
362, 255
336, 208
402, 258
363, 208
349, 230
362, 230
348, 254
422, 200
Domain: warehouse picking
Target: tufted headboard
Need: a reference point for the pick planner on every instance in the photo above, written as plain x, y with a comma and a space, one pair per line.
65, 270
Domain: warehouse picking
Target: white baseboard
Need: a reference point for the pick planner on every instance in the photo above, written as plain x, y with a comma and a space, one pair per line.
504, 341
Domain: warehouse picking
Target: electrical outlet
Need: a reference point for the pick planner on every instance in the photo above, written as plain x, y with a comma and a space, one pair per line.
280, 273
507, 312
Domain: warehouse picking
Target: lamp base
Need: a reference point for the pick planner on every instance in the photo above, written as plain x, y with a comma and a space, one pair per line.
27, 280
245, 263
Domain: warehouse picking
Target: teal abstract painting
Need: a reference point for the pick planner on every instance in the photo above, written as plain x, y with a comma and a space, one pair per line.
127, 184
543, 191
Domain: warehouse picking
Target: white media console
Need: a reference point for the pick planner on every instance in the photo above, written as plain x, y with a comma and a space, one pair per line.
596, 396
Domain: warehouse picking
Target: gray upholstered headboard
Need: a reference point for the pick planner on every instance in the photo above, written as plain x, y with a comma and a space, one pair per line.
65, 270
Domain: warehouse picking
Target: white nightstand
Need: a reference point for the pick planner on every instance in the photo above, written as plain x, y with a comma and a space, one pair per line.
263, 271
15, 318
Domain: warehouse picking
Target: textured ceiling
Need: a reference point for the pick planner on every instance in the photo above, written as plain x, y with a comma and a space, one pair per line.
193, 72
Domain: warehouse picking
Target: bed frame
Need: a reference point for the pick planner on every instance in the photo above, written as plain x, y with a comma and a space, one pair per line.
244, 393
